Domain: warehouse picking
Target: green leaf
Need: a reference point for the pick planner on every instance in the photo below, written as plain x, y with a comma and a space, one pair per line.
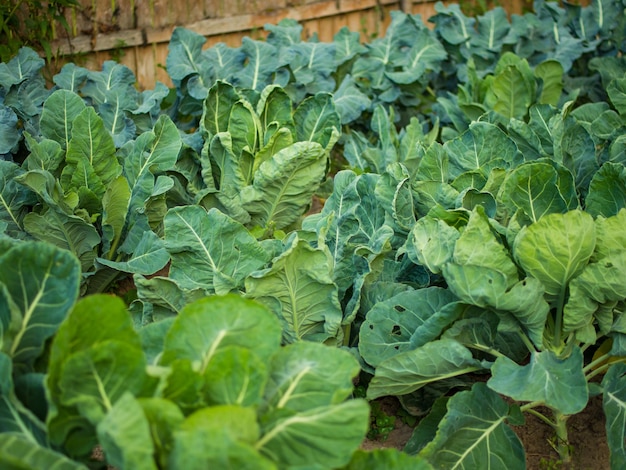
149, 257
607, 190
406, 321
284, 185
207, 325
539, 188
261, 63
217, 107
386, 458
14, 198
114, 209
218, 437
298, 288
17, 453
474, 434
90, 159
614, 405
95, 319
409, 371
58, 114
15, 417
316, 120
210, 250
432, 243
550, 72
555, 382
513, 93
94, 379
42, 282
308, 375
556, 248
65, 231
125, 437
234, 376
483, 147
350, 101
325, 436
164, 418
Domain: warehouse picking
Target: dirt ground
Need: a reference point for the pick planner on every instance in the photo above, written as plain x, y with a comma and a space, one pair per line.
586, 432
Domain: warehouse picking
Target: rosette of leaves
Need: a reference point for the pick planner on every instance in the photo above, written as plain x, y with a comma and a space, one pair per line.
211, 387
79, 192
523, 311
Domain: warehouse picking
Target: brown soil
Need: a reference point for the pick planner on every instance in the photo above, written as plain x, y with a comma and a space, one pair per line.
586, 433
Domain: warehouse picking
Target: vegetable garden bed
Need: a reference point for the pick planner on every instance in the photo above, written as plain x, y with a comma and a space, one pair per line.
468, 260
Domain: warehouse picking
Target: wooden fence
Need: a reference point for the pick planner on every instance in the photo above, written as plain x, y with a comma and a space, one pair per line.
137, 32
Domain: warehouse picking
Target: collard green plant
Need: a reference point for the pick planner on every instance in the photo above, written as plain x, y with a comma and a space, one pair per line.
219, 376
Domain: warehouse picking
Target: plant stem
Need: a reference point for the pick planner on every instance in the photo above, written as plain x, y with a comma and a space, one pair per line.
559, 318
562, 441
484, 348
601, 369
526, 341
540, 416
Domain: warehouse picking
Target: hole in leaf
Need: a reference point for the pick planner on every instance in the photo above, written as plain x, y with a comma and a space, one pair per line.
400, 308
371, 326
396, 347
396, 330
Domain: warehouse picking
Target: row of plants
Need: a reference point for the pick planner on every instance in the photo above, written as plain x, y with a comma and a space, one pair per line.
471, 245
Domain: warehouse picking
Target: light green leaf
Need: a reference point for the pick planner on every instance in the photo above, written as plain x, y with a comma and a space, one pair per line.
513, 93
42, 282
474, 434
486, 287
386, 458
149, 257
482, 147
599, 285
58, 114
307, 375
316, 120
218, 437
406, 321
607, 190
17, 453
164, 417
298, 288
14, 198
556, 248
125, 437
284, 185
164, 295
234, 376
210, 250
614, 405
94, 379
206, 325
91, 150
478, 245
409, 371
217, 106
431, 243
539, 188
274, 106
68, 232
15, 418
325, 436
556, 382
550, 72
114, 209
95, 319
